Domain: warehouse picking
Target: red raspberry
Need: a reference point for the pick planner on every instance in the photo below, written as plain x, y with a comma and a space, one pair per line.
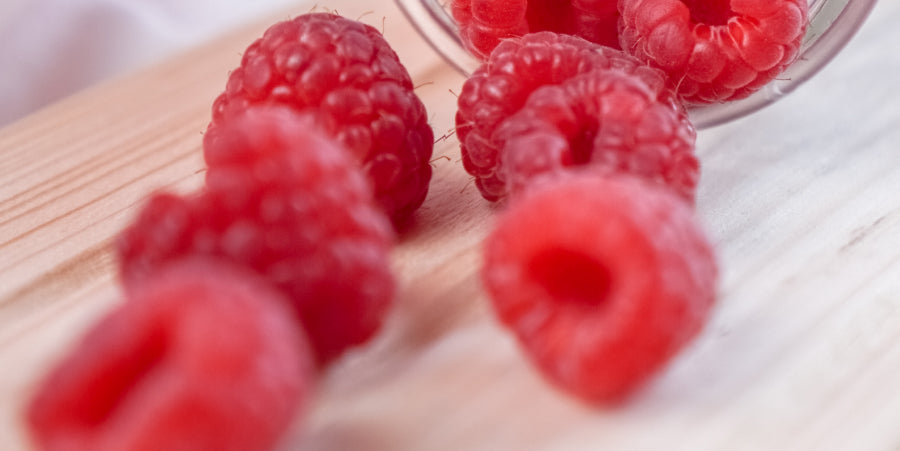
715, 50
347, 71
483, 24
202, 357
545, 101
301, 214
602, 280
597, 21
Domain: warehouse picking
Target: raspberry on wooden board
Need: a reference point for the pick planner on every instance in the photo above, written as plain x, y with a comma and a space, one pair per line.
545, 102
288, 202
601, 279
203, 356
347, 72
715, 50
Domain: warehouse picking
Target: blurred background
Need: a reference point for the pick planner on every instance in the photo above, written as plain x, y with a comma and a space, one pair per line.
52, 48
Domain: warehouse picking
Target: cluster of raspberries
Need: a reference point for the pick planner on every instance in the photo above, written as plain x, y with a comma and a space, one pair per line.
597, 264
578, 119
317, 155
711, 50
239, 294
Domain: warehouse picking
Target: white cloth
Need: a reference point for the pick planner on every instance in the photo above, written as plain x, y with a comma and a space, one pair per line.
52, 48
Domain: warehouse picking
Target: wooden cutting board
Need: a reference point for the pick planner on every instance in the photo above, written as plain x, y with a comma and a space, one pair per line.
802, 200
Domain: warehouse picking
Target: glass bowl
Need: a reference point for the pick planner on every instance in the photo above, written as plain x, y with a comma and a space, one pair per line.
832, 24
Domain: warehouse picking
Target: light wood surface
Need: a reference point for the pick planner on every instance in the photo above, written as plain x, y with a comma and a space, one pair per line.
802, 200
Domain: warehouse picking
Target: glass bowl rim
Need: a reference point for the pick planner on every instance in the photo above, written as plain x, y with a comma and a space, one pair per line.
828, 33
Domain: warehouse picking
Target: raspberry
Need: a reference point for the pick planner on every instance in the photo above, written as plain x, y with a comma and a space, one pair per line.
602, 280
597, 21
301, 214
483, 24
714, 50
346, 71
203, 356
545, 101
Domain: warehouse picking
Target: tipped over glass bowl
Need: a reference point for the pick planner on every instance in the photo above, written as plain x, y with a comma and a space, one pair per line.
831, 25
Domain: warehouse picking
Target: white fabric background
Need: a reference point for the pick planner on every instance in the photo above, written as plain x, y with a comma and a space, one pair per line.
51, 48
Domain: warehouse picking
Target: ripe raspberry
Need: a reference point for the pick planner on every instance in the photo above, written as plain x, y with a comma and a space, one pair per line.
301, 214
602, 280
597, 21
715, 50
202, 357
545, 101
347, 71
483, 24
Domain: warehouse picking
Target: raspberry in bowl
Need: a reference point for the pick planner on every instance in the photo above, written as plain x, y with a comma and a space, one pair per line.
719, 84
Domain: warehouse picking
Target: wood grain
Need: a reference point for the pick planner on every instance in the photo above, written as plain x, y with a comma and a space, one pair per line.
800, 198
